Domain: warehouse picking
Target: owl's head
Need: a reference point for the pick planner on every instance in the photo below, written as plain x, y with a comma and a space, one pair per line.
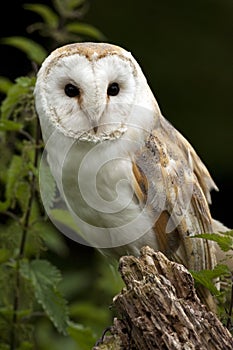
87, 91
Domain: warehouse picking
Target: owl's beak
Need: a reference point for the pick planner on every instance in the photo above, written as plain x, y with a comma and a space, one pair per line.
94, 115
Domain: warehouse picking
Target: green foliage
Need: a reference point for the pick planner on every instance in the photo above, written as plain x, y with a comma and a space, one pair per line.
19, 93
223, 239
83, 336
53, 240
34, 51
9, 125
45, 278
5, 84
206, 277
47, 186
48, 15
13, 173
220, 274
85, 29
64, 217
64, 23
33, 292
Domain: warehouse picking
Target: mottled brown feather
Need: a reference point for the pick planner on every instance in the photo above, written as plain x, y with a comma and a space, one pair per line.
178, 187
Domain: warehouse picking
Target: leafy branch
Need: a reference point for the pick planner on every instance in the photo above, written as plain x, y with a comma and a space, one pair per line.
25, 227
62, 24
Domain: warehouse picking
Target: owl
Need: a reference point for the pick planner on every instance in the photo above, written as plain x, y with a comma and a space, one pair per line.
126, 175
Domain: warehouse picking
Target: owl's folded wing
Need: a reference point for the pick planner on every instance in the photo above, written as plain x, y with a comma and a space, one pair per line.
174, 185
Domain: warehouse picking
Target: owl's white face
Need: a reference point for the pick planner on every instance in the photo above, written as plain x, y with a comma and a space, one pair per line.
87, 90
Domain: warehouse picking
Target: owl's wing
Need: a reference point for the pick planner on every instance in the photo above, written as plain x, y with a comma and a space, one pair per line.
174, 185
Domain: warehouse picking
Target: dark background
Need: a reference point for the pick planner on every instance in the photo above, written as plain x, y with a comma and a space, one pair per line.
185, 50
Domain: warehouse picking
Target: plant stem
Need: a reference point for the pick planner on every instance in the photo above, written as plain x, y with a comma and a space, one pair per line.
25, 226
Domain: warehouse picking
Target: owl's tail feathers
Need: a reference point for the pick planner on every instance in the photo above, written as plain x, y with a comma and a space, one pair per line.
219, 227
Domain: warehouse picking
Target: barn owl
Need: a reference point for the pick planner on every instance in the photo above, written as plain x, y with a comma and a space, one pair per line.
126, 175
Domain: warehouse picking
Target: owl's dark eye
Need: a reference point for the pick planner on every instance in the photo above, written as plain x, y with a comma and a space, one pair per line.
113, 89
71, 90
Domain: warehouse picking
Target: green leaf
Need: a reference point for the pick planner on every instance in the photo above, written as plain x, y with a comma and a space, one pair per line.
22, 194
64, 7
8, 312
34, 51
22, 86
224, 240
25, 82
47, 186
72, 4
13, 175
26, 345
53, 239
48, 15
5, 84
9, 125
44, 278
85, 30
83, 336
228, 233
64, 217
5, 254
90, 314
206, 277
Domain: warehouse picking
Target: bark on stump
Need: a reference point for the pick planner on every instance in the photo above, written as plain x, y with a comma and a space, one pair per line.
159, 309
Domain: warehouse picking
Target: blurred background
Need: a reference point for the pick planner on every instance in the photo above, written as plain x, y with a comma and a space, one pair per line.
185, 50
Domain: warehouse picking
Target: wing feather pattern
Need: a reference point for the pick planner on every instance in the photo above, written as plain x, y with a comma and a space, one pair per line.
174, 184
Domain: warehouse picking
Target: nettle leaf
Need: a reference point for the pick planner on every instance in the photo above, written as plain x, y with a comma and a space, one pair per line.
22, 86
206, 277
53, 239
26, 81
45, 279
9, 125
48, 15
223, 239
14, 173
22, 194
83, 336
34, 51
85, 30
5, 84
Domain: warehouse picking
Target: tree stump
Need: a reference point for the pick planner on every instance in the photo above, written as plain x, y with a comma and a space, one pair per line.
159, 309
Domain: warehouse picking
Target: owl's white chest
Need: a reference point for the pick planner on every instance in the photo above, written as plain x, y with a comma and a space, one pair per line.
96, 182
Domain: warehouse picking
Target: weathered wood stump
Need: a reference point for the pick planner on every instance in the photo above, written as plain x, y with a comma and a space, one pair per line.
159, 309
